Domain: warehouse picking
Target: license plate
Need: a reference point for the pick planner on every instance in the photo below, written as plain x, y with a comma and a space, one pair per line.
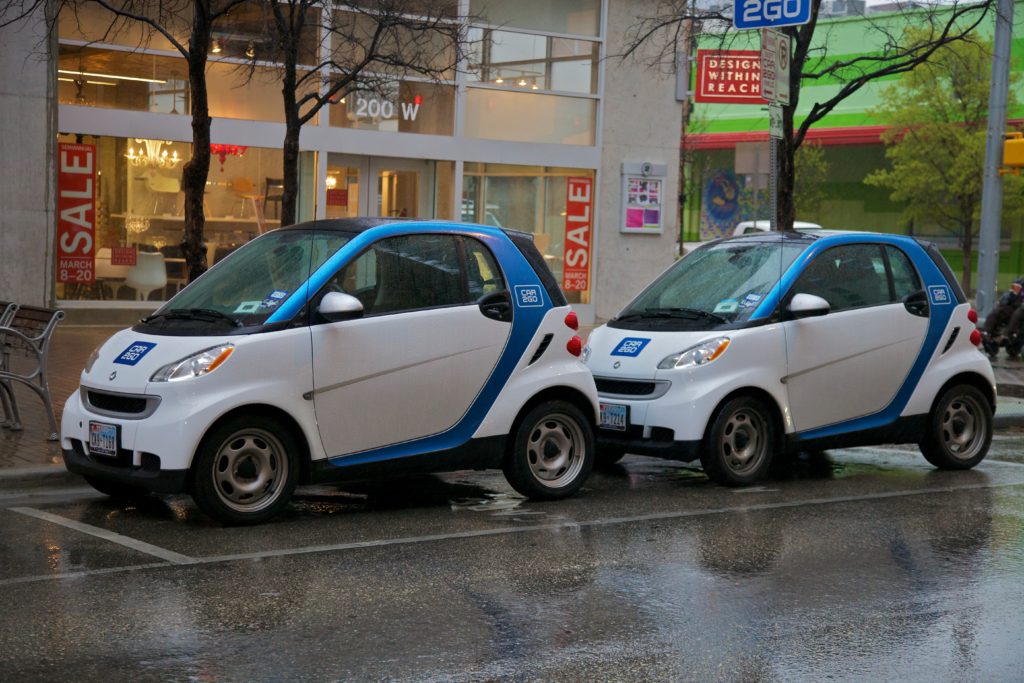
614, 416
103, 439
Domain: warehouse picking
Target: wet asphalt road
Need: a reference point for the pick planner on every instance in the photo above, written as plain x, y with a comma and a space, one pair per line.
862, 564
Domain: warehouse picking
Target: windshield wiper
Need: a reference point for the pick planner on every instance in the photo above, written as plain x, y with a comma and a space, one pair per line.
691, 313
207, 314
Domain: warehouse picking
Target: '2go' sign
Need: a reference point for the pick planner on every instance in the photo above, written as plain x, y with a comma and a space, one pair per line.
767, 13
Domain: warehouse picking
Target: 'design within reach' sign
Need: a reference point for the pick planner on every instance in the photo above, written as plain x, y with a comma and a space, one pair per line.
769, 13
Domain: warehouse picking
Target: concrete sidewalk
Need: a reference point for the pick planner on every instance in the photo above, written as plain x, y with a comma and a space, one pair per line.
27, 457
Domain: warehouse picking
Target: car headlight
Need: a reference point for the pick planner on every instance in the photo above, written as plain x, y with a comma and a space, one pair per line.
91, 360
701, 354
201, 363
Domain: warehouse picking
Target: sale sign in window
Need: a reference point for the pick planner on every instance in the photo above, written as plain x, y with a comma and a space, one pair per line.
76, 213
578, 231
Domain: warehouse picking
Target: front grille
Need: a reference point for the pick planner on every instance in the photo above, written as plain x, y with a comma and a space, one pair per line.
114, 404
624, 387
117, 403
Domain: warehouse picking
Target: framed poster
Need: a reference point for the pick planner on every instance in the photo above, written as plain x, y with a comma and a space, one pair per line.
642, 204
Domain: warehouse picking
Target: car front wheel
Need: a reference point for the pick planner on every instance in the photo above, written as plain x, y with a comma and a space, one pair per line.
552, 452
246, 470
739, 443
959, 429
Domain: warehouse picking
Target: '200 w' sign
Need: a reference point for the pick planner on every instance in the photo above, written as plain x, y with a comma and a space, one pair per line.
76, 213
767, 13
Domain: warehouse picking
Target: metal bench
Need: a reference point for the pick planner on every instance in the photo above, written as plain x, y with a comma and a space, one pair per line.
28, 330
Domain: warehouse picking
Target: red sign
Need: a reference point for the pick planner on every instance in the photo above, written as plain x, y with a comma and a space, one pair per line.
123, 256
732, 76
578, 220
76, 213
337, 197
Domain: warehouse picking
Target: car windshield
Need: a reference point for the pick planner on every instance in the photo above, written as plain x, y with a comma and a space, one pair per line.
247, 287
718, 284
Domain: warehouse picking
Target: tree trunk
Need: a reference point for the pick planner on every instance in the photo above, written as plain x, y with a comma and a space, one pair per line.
967, 246
293, 126
786, 172
196, 171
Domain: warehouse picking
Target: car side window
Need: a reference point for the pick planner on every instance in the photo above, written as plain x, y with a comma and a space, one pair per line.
847, 277
904, 277
404, 274
483, 275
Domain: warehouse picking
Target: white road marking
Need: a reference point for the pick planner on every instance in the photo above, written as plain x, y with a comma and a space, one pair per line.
481, 533
113, 537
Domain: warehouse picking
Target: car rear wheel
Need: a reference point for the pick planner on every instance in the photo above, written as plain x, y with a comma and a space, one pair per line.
552, 452
959, 429
739, 443
246, 470
116, 489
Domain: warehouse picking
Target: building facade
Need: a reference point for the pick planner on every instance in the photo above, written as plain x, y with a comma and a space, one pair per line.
537, 131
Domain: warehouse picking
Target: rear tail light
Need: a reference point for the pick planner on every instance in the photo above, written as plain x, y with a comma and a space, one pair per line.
571, 321
574, 346
976, 337
972, 315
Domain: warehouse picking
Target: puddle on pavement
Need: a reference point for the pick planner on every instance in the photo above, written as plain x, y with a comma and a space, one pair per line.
496, 505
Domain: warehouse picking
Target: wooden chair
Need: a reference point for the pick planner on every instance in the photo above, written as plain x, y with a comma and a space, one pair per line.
30, 331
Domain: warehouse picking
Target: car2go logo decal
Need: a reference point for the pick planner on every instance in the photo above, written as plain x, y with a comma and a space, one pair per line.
528, 296
631, 347
939, 295
134, 353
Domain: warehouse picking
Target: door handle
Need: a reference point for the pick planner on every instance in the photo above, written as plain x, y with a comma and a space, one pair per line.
497, 306
917, 303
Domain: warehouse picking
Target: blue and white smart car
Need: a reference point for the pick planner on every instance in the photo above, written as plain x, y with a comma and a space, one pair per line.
339, 349
762, 344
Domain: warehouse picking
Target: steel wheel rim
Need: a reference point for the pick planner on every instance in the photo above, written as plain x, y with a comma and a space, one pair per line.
744, 441
962, 429
555, 450
250, 470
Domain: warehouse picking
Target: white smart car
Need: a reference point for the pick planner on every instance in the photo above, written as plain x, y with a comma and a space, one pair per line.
340, 349
761, 344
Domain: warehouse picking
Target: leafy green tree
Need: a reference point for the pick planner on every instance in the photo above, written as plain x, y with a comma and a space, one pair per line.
811, 169
936, 145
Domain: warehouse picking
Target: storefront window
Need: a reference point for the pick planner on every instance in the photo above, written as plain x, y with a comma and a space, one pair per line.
399, 107
529, 117
535, 199
400, 50
139, 210
520, 61
579, 17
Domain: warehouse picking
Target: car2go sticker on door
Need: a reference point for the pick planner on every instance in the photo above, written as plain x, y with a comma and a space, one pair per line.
939, 295
528, 296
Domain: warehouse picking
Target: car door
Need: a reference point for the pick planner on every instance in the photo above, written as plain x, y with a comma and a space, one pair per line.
412, 365
852, 361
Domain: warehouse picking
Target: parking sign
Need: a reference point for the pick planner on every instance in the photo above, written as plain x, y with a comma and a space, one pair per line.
768, 13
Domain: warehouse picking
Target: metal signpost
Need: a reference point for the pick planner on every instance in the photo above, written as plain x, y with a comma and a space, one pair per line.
775, 57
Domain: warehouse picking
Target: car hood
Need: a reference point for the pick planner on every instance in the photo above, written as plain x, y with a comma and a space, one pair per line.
616, 352
128, 359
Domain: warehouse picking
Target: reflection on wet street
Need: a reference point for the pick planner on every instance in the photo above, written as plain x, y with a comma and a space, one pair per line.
862, 564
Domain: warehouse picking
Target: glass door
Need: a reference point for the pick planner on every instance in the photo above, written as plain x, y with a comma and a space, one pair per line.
346, 186
404, 187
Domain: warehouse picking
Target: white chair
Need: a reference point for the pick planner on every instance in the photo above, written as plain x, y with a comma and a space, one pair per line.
164, 188
110, 275
148, 273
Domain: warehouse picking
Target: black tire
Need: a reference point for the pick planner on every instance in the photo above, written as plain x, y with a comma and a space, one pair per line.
245, 470
606, 457
116, 489
551, 452
959, 429
739, 442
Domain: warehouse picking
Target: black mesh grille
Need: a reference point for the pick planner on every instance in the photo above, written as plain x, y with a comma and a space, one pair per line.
117, 403
542, 348
624, 387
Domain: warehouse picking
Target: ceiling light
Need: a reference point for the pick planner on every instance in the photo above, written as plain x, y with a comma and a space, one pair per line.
250, 51
499, 80
522, 83
72, 80
215, 47
118, 78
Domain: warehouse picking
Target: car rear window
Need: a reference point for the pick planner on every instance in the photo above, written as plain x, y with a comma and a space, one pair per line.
524, 242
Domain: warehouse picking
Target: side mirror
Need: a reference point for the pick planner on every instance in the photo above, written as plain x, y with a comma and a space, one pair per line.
338, 306
808, 306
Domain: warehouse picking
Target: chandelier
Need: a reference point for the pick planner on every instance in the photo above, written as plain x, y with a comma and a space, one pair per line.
136, 224
151, 154
222, 152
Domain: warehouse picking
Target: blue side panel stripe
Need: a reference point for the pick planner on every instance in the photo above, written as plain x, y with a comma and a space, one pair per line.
525, 323
938, 321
